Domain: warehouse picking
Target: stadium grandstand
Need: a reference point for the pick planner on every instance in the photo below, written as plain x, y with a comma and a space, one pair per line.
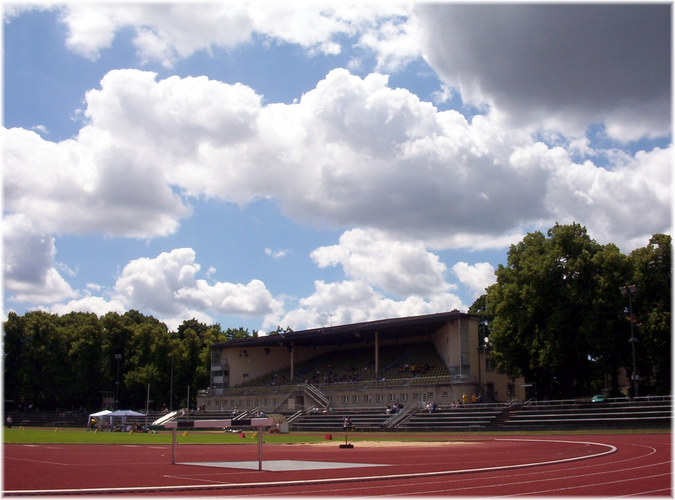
415, 373
389, 365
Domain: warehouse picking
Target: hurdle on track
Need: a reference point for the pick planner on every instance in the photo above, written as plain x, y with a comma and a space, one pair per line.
259, 423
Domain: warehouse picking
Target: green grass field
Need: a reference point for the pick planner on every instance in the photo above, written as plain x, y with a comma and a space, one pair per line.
38, 435
42, 435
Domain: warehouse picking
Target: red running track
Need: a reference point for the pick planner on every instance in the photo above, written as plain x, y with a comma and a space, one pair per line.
606, 465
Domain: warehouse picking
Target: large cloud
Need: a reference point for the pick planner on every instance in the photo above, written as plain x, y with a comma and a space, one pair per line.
28, 263
96, 183
168, 32
167, 286
561, 65
394, 266
351, 152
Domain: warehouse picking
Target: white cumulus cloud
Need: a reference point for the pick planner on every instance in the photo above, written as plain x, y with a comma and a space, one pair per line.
167, 286
394, 266
475, 277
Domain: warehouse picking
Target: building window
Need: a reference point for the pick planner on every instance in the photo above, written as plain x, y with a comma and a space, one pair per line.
367, 398
416, 396
444, 394
392, 397
345, 399
404, 396
380, 398
215, 357
356, 399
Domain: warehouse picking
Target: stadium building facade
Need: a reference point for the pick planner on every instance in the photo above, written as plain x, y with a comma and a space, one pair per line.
407, 361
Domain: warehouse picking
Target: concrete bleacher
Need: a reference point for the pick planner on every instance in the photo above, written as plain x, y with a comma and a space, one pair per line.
560, 415
406, 361
363, 419
571, 414
48, 418
479, 416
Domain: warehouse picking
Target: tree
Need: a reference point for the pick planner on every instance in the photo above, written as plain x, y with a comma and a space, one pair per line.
66, 362
13, 356
553, 308
82, 333
652, 277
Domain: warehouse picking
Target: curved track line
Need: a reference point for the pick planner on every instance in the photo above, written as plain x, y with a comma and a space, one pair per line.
265, 484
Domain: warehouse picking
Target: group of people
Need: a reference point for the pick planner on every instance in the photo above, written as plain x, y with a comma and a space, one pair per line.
431, 407
103, 424
475, 398
393, 408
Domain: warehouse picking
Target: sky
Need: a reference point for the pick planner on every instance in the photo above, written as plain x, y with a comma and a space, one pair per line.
305, 164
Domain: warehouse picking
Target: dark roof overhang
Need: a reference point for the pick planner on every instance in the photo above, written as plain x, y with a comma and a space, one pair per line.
388, 329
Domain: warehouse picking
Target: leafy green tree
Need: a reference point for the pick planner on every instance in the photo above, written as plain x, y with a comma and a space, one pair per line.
66, 362
553, 307
41, 375
83, 335
142, 366
652, 277
13, 355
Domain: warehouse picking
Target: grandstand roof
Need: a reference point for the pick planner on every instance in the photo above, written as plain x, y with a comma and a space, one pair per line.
411, 326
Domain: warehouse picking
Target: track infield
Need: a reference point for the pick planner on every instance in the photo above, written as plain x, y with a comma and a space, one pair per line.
489, 465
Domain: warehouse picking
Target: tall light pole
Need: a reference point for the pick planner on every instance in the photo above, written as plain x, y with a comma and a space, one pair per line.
118, 357
171, 387
630, 290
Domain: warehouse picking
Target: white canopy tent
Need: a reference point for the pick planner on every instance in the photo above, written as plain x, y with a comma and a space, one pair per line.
123, 414
97, 417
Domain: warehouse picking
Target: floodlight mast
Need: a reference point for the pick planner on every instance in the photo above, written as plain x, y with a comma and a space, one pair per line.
630, 290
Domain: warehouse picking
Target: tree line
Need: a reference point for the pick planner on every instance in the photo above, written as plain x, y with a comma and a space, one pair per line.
568, 314
54, 362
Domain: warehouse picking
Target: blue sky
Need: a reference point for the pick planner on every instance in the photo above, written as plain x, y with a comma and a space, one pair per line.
312, 164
